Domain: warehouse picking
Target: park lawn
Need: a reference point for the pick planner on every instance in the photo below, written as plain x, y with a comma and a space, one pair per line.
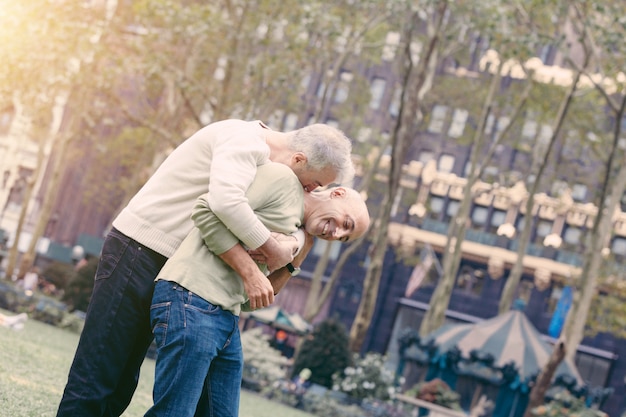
33, 370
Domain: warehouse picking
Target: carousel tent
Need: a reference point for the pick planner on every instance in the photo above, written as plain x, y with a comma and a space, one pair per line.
509, 337
498, 358
278, 318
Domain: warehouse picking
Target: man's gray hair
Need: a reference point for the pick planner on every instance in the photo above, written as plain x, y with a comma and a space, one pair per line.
324, 146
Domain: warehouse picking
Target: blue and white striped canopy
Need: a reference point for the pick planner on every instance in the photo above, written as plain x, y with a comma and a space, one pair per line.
509, 337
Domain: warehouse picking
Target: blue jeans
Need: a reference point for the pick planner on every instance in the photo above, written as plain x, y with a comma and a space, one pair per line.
117, 334
199, 358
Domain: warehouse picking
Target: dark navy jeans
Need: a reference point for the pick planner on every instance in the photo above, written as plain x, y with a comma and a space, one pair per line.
117, 334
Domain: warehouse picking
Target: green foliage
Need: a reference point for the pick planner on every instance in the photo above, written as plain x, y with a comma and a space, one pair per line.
607, 313
324, 352
437, 392
262, 364
79, 288
367, 378
328, 406
566, 405
58, 273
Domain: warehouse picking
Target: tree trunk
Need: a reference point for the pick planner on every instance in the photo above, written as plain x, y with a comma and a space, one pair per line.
538, 392
435, 316
512, 282
574, 326
416, 83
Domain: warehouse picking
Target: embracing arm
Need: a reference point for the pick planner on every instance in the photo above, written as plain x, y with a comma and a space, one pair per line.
225, 244
280, 277
233, 169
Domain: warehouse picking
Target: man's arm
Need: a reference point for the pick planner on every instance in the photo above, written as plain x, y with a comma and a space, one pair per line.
222, 242
233, 168
279, 278
258, 287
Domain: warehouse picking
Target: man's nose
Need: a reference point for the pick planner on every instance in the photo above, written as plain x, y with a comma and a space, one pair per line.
339, 233
310, 187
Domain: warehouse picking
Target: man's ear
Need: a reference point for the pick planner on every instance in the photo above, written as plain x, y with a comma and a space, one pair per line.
338, 192
298, 158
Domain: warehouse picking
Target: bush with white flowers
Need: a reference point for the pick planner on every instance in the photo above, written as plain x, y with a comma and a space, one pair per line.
366, 378
262, 363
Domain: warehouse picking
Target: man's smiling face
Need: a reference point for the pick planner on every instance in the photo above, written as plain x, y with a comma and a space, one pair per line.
343, 217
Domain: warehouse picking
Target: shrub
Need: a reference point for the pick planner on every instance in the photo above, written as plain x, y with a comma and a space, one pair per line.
367, 378
566, 405
79, 288
263, 365
437, 392
324, 352
58, 274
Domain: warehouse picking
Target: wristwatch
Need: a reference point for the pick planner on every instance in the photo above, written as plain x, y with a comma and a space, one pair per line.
293, 270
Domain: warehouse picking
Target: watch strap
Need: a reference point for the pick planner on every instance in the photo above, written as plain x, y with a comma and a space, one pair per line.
293, 270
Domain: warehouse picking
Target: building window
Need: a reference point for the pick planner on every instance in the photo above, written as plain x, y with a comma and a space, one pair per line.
392, 40
220, 70
491, 174
471, 280
416, 51
497, 219
437, 119
529, 131
521, 222
579, 192
459, 118
479, 215
503, 122
558, 188
467, 168
618, 246
545, 135
489, 124
291, 121
333, 123
276, 118
572, 236
427, 156
544, 228
435, 205
364, 135
319, 247
320, 89
524, 291
377, 89
347, 293
453, 208
592, 369
445, 163
555, 296
343, 87
394, 107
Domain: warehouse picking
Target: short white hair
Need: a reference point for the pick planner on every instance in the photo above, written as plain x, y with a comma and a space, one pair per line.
324, 146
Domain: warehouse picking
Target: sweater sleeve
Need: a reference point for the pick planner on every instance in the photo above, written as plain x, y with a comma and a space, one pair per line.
234, 165
276, 198
215, 234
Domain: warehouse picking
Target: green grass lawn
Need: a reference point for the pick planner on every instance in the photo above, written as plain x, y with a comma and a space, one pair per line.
33, 369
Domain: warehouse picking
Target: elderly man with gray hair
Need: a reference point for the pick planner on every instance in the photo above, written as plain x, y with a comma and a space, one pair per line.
221, 159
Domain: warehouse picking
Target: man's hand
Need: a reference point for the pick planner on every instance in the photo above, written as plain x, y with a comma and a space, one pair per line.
259, 290
280, 277
277, 253
256, 284
286, 241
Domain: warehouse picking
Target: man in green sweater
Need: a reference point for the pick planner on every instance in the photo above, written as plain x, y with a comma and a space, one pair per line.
198, 297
